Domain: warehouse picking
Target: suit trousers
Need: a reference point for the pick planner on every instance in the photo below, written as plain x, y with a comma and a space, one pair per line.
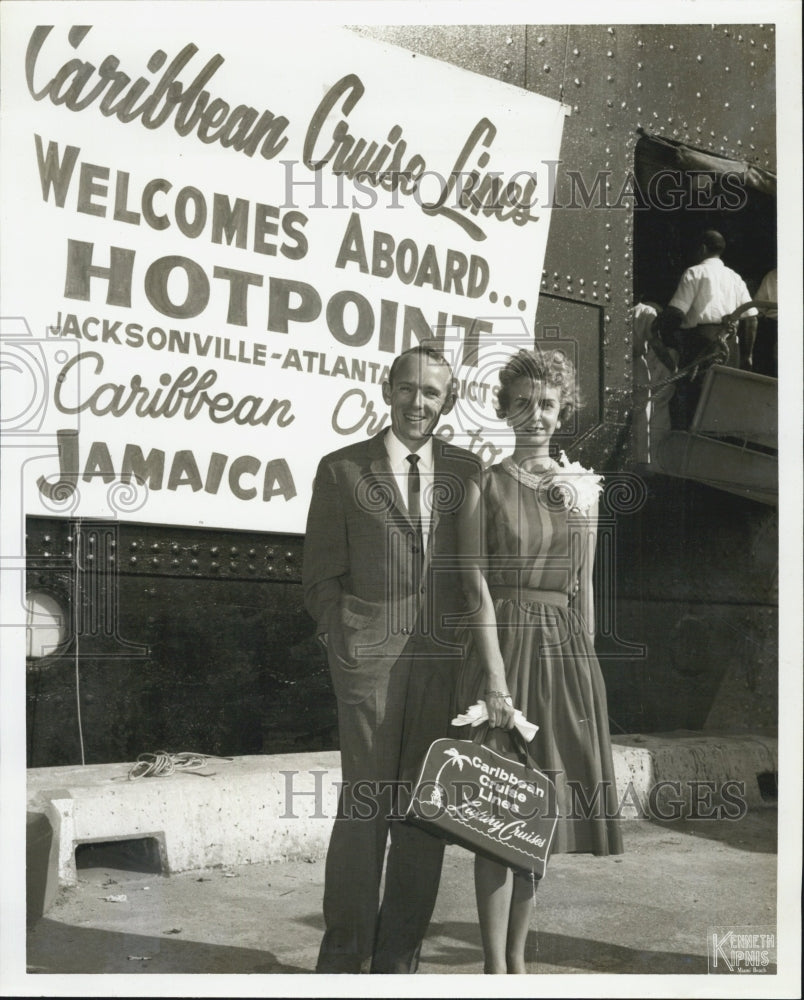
383, 742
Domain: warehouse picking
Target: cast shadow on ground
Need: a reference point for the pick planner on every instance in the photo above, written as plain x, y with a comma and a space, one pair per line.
456, 945
756, 831
546, 952
67, 949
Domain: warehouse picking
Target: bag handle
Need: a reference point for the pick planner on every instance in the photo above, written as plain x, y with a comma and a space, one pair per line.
519, 741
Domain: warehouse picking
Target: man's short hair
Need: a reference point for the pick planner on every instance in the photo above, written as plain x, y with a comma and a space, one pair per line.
429, 351
713, 241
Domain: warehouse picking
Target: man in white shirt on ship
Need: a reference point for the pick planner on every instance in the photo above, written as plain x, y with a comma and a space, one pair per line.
707, 293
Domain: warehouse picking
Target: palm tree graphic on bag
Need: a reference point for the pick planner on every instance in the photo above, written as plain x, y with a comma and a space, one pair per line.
454, 756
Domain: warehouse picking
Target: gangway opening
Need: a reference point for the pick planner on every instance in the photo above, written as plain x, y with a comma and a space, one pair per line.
731, 441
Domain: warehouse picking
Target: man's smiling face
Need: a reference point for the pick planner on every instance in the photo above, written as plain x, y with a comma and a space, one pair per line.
420, 393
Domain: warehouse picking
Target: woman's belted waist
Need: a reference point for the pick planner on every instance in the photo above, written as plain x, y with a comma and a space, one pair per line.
529, 595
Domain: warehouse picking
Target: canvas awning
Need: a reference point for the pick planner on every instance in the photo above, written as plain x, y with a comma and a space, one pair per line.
657, 153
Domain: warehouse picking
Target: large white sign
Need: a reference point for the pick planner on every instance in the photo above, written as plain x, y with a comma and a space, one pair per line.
219, 239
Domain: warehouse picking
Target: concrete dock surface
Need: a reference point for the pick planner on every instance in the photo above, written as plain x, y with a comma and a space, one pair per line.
649, 912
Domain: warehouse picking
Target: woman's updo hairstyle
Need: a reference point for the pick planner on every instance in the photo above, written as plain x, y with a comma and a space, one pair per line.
550, 367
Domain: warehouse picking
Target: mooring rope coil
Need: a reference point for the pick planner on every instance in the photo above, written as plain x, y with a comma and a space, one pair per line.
161, 763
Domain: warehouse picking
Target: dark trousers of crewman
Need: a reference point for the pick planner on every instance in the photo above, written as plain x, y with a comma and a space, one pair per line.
693, 344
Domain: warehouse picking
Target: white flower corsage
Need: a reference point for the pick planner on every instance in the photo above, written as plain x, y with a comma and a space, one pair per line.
575, 487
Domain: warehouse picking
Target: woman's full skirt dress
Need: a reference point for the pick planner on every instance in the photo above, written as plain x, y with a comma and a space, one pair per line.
534, 551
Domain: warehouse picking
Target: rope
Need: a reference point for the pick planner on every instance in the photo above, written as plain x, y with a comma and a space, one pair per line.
77, 623
160, 764
720, 349
718, 353
564, 70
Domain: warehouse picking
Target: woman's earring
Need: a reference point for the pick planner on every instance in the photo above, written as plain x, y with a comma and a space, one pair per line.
558, 425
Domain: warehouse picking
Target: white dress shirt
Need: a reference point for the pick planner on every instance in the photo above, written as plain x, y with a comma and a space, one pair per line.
708, 292
769, 292
400, 466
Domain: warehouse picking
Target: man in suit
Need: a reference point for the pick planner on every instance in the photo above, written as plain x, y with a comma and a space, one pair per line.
381, 581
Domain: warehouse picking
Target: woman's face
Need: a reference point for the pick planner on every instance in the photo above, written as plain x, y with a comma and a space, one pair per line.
533, 411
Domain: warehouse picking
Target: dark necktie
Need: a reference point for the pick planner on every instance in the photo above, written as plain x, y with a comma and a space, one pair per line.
415, 500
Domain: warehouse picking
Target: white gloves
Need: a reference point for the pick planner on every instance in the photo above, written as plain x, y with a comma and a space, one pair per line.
478, 713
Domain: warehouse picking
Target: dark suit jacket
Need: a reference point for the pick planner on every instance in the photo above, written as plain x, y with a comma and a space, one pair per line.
365, 583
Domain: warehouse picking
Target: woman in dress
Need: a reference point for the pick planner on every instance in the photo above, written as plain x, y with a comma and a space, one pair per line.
528, 538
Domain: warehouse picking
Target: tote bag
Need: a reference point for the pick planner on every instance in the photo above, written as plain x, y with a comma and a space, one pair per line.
497, 807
